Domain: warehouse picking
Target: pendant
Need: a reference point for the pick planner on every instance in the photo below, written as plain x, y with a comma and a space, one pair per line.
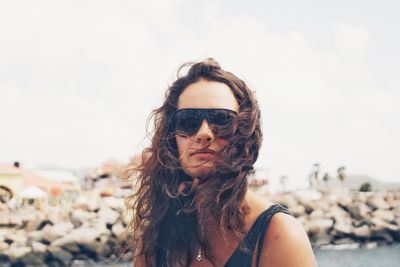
199, 256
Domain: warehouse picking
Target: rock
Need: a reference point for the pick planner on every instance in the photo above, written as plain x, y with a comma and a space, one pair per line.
17, 238
4, 218
87, 203
362, 231
114, 203
377, 202
287, 200
15, 253
321, 239
108, 215
316, 214
318, 226
392, 201
297, 210
338, 214
385, 215
395, 235
79, 216
85, 235
358, 210
35, 235
3, 246
33, 259
34, 221
100, 226
15, 219
127, 216
67, 243
97, 249
117, 229
343, 227
51, 233
307, 203
380, 225
38, 247
59, 254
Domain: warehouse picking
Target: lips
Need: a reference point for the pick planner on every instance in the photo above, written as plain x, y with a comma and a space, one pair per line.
204, 152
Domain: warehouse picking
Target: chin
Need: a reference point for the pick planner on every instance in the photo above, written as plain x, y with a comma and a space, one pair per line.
198, 172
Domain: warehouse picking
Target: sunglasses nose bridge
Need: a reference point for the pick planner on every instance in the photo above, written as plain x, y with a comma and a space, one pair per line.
204, 132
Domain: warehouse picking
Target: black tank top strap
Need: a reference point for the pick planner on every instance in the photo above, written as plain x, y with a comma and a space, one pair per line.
243, 255
271, 211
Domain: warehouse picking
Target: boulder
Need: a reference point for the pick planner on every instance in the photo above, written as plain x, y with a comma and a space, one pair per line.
33, 259
318, 226
68, 243
51, 233
79, 216
377, 202
316, 214
35, 235
343, 227
297, 210
385, 215
363, 231
117, 229
87, 203
38, 247
114, 203
60, 254
17, 238
15, 253
109, 216
358, 210
3, 246
15, 219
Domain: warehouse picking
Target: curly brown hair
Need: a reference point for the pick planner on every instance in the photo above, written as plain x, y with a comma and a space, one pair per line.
170, 209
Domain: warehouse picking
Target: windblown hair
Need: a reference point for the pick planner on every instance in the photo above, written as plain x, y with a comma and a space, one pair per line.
172, 210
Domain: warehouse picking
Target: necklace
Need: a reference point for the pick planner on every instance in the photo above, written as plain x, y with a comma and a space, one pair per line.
199, 255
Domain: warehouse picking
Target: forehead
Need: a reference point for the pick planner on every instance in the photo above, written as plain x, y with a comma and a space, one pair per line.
208, 94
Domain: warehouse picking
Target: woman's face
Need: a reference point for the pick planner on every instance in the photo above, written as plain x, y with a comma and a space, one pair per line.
196, 152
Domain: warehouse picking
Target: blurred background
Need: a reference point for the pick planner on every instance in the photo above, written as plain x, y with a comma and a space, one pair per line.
78, 80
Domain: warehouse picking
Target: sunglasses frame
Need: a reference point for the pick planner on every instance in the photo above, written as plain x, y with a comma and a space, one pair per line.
204, 114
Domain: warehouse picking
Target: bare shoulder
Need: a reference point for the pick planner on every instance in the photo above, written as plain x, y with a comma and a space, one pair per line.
286, 244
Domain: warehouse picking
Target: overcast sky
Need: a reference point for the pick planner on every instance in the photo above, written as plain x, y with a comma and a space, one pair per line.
79, 78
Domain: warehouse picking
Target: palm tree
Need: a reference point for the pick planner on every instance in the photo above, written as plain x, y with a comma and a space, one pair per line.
326, 178
341, 173
283, 182
313, 177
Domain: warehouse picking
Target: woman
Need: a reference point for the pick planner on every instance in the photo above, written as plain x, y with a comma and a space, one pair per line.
192, 206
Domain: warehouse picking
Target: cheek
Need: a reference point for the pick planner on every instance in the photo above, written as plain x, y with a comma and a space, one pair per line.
221, 143
182, 143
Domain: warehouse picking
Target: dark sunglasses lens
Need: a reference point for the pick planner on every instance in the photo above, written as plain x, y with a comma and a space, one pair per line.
221, 117
187, 122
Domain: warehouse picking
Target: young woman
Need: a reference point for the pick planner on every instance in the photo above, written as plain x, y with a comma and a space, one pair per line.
192, 206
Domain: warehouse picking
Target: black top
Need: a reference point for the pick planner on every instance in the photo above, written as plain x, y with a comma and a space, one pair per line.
243, 258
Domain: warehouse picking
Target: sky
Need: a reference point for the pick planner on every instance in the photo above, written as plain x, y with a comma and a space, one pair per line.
78, 79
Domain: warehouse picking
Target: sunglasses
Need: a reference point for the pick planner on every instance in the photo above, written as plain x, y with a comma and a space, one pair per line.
187, 121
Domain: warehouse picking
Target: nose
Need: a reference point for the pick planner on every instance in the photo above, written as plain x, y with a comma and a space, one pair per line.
204, 135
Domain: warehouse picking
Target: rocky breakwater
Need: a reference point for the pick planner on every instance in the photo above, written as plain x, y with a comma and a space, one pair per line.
90, 229
352, 218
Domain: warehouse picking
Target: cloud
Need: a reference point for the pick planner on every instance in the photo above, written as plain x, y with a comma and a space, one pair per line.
77, 82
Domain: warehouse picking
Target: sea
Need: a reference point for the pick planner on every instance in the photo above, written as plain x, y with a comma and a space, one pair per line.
382, 256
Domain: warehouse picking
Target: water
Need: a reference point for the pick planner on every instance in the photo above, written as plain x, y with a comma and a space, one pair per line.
385, 256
